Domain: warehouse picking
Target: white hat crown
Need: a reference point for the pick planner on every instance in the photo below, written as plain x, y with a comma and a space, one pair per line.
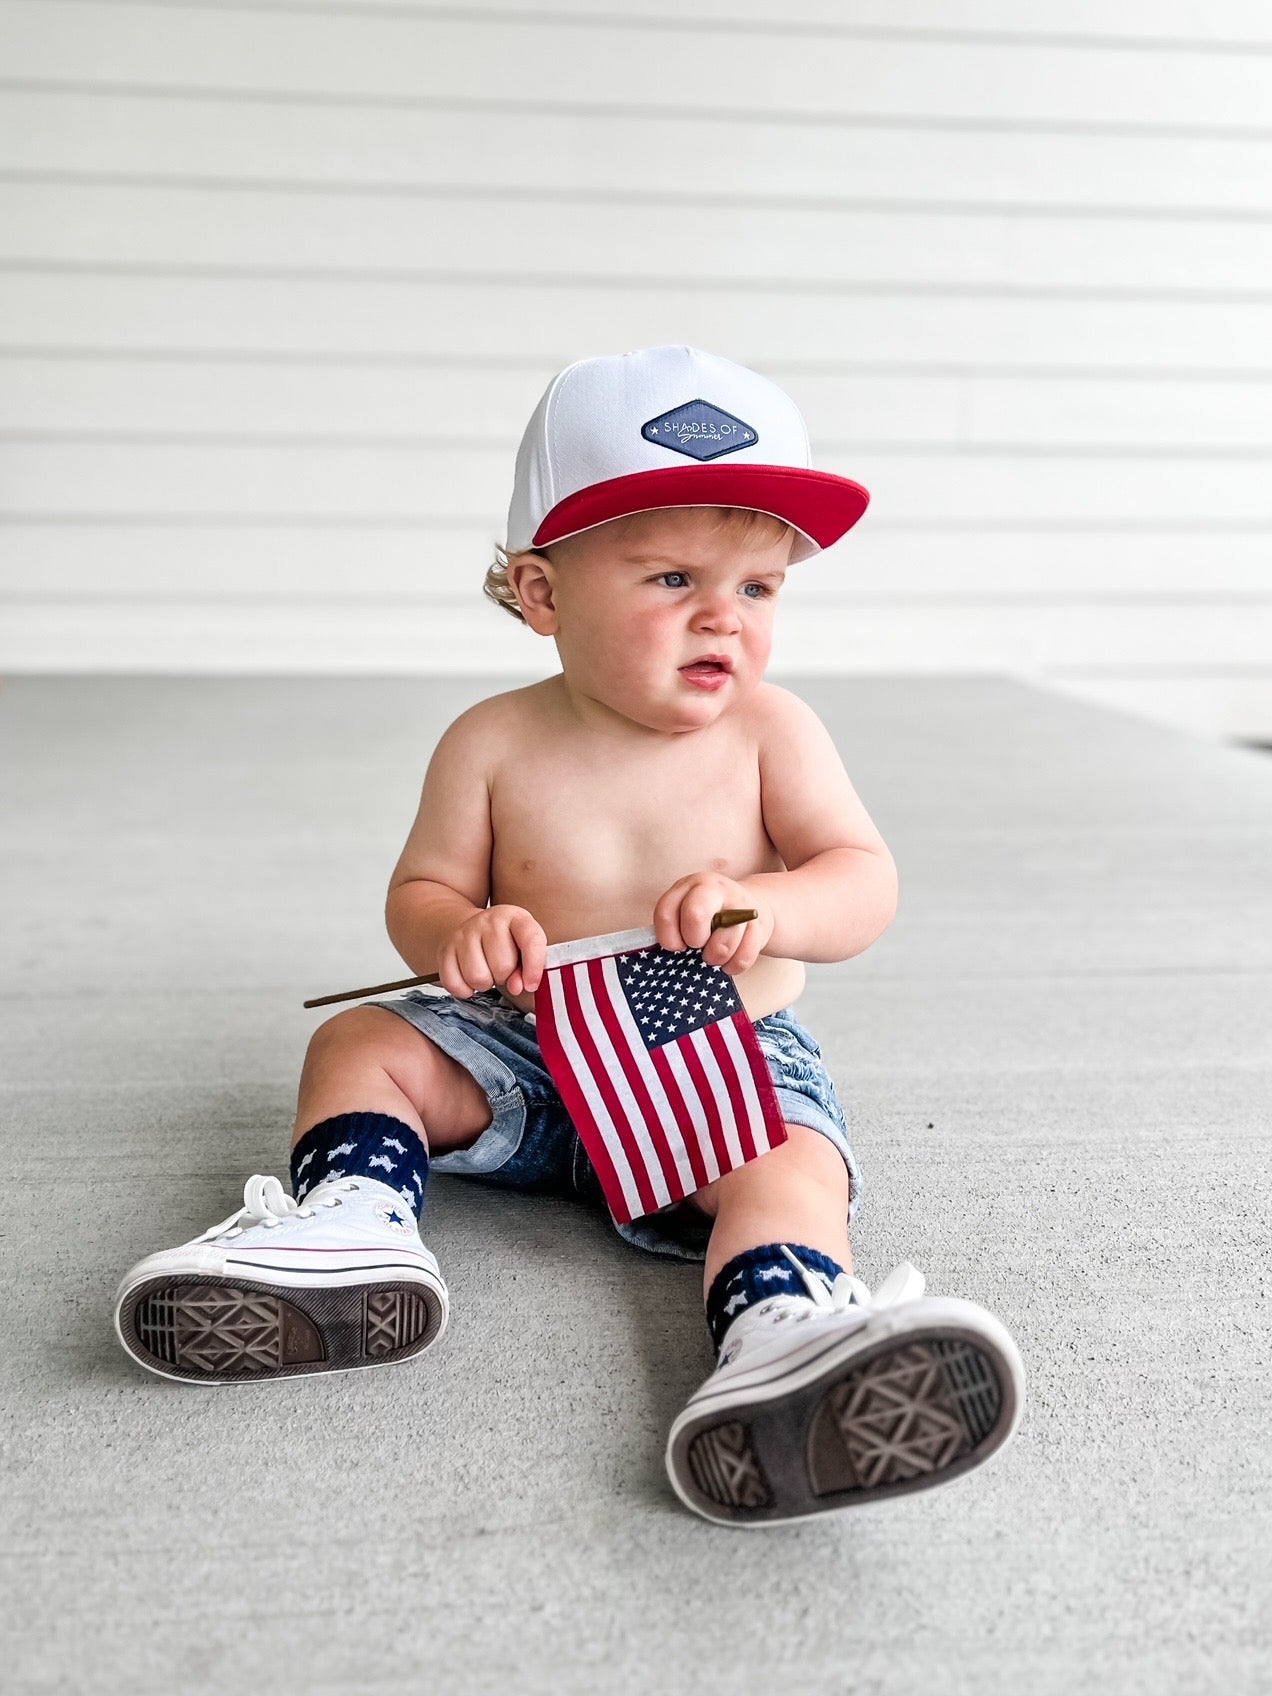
700, 423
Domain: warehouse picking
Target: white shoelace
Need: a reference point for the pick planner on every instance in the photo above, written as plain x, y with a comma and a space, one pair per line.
903, 1283
266, 1202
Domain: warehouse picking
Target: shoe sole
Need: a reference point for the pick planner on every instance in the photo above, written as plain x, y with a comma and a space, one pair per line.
210, 1331
908, 1412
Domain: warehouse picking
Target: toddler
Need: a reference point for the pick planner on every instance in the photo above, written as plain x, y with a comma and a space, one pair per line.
660, 498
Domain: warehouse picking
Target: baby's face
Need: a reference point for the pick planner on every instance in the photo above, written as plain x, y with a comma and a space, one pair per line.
642, 603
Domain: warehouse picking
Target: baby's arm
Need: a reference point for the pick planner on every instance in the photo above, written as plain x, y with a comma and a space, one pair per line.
436, 912
839, 892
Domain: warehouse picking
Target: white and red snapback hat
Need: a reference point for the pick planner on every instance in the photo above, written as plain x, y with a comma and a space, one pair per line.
667, 427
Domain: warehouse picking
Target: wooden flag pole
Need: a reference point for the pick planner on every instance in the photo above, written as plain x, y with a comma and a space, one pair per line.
719, 921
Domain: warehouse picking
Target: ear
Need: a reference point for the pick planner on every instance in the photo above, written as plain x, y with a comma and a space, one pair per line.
532, 580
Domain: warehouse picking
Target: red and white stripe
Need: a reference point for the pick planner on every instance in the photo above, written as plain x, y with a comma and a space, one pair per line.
657, 1124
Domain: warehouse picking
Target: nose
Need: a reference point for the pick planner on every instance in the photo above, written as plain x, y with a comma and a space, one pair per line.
717, 612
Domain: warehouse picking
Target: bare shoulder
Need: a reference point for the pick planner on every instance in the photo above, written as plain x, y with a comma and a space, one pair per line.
494, 710
452, 839
807, 797
487, 730
778, 715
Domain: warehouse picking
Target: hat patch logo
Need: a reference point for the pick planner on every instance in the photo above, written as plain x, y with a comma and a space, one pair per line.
700, 430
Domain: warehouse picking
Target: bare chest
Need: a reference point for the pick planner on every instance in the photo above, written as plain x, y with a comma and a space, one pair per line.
588, 844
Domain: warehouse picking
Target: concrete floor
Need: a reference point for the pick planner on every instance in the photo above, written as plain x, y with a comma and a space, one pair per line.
1057, 1067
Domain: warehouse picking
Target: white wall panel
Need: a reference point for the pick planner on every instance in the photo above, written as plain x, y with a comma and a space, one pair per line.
471, 144
1135, 22
1226, 702
391, 55
389, 235
279, 286
292, 310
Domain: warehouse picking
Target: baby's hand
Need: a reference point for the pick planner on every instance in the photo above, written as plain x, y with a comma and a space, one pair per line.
500, 945
682, 919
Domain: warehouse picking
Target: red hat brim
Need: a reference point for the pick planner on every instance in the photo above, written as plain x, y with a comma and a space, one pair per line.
818, 503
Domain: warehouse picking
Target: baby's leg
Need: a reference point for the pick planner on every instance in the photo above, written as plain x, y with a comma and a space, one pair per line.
341, 1280
367, 1060
798, 1193
825, 1395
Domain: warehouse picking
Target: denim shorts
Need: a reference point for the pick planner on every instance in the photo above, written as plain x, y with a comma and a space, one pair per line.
531, 1144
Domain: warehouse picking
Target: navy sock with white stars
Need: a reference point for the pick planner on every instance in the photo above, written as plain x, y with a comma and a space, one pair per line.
362, 1145
759, 1273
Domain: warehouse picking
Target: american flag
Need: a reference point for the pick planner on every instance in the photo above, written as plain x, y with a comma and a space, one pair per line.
658, 1066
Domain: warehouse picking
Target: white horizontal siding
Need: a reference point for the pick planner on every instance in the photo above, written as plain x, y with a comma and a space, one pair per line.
289, 310
706, 65
1185, 25
470, 144
279, 287
390, 235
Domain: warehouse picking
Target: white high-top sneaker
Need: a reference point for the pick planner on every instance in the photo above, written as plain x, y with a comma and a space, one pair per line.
339, 1281
847, 1398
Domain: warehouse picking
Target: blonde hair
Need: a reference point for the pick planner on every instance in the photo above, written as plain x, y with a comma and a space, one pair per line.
741, 525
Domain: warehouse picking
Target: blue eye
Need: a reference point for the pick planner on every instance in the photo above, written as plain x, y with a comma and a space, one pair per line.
666, 574
764, 593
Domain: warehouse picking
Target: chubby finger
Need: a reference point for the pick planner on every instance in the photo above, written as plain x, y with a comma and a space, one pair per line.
449, 975
724, 946
697, 910
743, 958
532, 942
470, 957
667, 914
501, 954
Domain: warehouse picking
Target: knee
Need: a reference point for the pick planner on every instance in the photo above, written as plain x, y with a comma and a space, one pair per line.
351, 1028
451, 1104
806, 1157
370, 1036
809, 1155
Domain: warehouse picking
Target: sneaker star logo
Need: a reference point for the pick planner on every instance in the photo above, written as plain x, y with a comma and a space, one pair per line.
396, 1218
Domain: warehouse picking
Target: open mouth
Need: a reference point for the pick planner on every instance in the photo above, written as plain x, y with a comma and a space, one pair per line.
712, 673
